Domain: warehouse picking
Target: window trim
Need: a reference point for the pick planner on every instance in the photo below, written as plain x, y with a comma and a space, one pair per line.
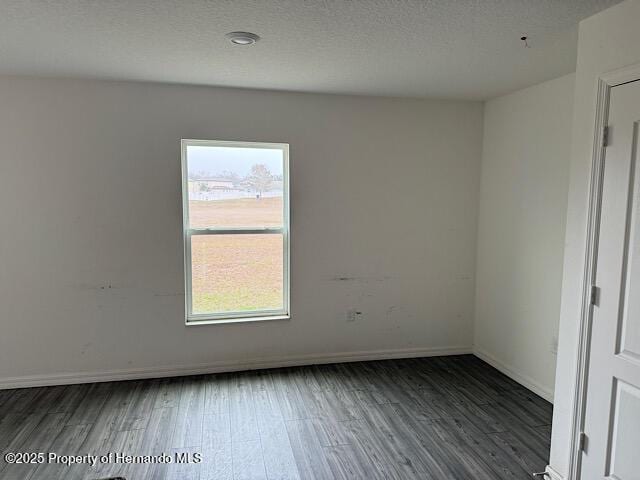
187, 233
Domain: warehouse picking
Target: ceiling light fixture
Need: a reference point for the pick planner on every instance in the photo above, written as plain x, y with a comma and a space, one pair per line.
242, 38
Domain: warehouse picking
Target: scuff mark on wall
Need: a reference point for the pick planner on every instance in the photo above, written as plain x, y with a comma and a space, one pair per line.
358, 279
393, 313
100, 286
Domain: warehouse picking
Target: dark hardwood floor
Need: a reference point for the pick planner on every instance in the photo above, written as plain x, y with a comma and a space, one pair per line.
429, 418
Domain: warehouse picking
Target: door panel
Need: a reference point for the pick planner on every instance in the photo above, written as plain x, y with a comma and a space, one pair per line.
612, 421
626, 435
630, 317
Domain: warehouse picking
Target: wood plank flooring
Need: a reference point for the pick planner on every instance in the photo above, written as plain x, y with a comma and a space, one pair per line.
430, 418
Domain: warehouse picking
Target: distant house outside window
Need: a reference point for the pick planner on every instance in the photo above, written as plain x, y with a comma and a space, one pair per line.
236, 230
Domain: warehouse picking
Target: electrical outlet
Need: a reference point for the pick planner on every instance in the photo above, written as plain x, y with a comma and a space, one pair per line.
353, 315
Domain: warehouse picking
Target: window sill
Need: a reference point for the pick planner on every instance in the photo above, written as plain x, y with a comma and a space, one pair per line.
213, 321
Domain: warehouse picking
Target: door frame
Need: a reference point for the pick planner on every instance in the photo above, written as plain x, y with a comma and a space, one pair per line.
604, 85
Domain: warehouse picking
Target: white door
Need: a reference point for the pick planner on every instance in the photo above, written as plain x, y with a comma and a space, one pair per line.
612, 425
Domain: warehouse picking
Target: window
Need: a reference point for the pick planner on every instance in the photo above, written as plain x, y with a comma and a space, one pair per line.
236, 230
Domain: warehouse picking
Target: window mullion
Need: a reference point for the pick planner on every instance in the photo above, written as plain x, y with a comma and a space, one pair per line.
234, 231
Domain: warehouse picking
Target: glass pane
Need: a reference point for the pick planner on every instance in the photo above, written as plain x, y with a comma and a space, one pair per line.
236, 273
235, 187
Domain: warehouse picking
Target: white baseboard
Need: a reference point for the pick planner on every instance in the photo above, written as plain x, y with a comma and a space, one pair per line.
552, 474
510, 372
224, 366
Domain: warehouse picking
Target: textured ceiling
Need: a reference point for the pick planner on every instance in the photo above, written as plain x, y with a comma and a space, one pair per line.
467, 49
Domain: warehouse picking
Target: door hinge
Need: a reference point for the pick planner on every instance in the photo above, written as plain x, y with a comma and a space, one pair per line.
594, 298
583, 442
605, 136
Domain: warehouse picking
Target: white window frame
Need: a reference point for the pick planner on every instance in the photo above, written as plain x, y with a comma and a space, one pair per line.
188, 232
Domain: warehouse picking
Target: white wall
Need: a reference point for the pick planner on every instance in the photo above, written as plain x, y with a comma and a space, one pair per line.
523, 196
384, 219
607, 41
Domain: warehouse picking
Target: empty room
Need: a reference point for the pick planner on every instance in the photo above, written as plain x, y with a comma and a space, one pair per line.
319, 239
